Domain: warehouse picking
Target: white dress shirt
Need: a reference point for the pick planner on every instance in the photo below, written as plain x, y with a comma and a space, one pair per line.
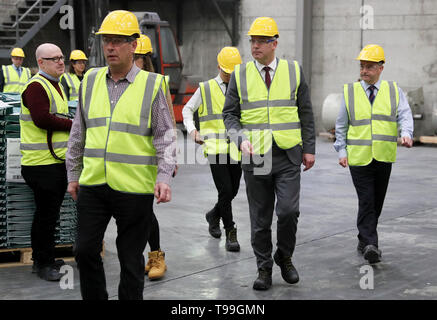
272, 70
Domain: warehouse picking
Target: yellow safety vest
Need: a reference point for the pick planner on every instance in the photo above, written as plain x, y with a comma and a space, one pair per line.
74, 84
269, 111
119, 147
212, 127
373, 129
34, 147
14, 83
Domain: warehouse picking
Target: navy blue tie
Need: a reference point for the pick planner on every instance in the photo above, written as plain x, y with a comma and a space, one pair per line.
372, 93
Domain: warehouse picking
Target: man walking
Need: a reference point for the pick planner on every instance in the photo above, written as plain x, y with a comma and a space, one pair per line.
223, 157
270, 100
121, 153
366, 139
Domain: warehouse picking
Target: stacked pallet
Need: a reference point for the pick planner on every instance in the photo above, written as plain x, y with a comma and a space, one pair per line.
17, 204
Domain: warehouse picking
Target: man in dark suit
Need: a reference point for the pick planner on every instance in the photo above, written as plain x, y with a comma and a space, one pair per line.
274, 128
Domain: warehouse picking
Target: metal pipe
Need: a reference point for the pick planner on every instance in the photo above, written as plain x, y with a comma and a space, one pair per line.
72, 31
304, 36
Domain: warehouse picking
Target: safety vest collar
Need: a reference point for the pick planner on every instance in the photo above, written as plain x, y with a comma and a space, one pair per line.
246, 105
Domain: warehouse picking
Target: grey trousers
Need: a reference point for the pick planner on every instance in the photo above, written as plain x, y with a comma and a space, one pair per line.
283, 183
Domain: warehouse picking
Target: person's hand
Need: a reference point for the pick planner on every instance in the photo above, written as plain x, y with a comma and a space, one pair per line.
73, 189
195, 135
162, 192
308, 160
246, 148
343, 162
407, 142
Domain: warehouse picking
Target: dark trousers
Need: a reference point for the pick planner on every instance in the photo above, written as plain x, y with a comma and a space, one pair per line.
49, 184
133, 215
371, 184
284, 183
154, 234
226, 177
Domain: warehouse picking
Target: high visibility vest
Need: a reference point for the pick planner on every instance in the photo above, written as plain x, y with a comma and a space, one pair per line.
14, 83
266, 112
119, 147
74, 84
34, 147
373, 129
212, 127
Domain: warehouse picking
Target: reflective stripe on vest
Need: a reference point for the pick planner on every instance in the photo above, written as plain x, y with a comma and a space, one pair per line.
269, 111
14, 83
212, 127
372, 132
34, 147
74, 84
119, 147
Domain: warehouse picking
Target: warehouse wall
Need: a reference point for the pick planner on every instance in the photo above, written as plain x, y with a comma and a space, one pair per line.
406, 29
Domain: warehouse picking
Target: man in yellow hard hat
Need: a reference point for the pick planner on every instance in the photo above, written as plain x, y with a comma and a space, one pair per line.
223, 157
71, 79
120, 154
366, 133
268, 114
15, 76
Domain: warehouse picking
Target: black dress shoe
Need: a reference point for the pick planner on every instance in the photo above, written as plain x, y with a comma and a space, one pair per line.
49, 273
288, 271
264, 280
361, 246
213, 220
58, 264
231, 240
372, 254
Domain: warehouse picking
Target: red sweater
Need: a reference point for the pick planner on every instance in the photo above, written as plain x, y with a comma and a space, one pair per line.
36, 100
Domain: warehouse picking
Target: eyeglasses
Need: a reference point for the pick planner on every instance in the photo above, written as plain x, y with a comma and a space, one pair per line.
261, 41
369, 67
55, 59
117, 41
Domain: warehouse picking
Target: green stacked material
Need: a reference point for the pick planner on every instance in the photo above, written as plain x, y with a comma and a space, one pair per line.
17, 205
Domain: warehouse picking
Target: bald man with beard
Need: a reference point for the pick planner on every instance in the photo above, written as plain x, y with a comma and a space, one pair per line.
44, 137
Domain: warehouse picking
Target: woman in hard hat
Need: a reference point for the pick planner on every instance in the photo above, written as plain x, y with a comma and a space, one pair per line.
71, 80
155, 267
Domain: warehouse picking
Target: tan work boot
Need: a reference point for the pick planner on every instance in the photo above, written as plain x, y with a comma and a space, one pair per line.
157, 265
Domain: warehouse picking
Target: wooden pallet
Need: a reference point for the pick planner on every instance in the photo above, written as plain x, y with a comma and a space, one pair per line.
17, 257
23, 256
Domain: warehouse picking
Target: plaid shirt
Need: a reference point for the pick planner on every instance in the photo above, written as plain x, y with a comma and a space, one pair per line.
162, 126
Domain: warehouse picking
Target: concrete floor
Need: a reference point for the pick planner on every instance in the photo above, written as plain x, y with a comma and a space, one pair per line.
329, 266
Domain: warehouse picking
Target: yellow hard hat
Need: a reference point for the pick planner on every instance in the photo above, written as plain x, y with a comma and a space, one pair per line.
228, 58
144, 45
78, 55
17, 52
264, 26
120, 22
372, 52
